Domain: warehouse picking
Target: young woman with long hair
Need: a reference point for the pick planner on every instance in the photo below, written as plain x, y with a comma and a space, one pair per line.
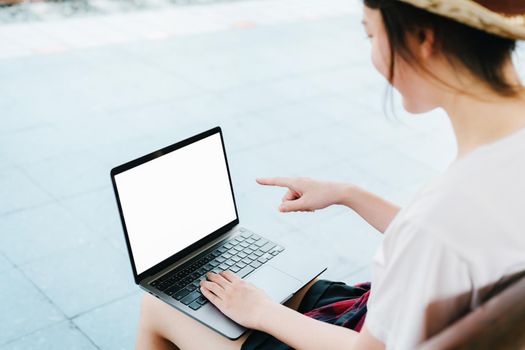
461, 234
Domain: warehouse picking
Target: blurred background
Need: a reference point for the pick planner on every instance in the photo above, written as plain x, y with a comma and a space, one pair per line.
88, 84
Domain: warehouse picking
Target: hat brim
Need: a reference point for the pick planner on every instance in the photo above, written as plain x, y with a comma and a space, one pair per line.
473, 14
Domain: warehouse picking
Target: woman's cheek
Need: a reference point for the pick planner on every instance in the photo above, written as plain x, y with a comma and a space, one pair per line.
378, 60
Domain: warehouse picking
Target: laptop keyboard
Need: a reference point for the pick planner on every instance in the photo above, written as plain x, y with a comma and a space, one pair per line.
241, 254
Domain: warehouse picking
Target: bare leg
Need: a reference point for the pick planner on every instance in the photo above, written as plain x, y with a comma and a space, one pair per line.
162, 326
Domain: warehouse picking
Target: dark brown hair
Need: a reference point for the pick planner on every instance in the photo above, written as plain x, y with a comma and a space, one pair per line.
481, 53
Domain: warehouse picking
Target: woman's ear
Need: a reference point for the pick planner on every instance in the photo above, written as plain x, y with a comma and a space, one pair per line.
426, 42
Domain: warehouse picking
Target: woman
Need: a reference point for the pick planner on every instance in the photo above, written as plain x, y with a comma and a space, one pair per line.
459, 236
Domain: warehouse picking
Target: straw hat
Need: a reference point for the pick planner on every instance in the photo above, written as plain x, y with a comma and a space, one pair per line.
505, 18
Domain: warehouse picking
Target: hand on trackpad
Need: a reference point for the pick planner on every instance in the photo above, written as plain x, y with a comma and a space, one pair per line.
278, 285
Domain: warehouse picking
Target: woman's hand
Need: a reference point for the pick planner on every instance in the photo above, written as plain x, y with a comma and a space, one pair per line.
236, 298
305, 194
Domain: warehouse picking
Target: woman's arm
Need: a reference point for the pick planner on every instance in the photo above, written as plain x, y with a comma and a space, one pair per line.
377, 211
302, 332
305, 194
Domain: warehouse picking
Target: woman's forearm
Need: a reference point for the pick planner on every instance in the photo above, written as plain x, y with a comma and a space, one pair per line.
302, 332
377, 211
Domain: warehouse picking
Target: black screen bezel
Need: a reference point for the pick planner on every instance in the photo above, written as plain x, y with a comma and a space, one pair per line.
200, 243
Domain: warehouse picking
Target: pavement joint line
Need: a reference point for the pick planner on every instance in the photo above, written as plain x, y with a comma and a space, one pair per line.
10, 341
81, 331
220, 93
124, 296
32, 180
50, 301
61, 251
27, 208
41, 292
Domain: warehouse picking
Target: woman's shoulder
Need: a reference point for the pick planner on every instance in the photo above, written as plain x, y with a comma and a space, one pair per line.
487, 183
478, 219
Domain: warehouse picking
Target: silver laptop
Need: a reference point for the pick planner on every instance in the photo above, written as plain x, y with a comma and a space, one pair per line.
180, 220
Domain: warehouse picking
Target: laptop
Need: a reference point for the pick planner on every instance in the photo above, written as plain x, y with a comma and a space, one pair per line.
180, 220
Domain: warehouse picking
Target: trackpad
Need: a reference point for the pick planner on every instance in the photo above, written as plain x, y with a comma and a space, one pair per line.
278, 285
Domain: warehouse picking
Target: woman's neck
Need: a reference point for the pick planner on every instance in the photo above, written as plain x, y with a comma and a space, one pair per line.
485, 119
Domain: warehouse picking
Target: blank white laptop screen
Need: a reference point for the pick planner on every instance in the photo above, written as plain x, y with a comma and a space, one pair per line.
175, 200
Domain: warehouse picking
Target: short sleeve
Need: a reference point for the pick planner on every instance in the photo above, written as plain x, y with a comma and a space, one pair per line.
420, 287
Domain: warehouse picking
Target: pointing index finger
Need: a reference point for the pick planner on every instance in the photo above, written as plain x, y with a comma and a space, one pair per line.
275, 181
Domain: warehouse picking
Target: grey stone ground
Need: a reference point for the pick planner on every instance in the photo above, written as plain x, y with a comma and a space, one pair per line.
293, 97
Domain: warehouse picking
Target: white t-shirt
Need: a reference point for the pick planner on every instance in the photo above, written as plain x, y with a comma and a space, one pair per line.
460, 234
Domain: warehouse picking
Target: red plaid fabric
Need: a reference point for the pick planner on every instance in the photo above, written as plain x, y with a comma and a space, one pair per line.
350, 313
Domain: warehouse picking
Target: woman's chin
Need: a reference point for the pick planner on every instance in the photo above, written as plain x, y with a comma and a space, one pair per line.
417, 108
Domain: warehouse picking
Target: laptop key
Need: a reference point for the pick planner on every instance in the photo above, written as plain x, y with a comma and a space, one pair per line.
191, 297
265, 258
258, 252
234, 268
174, 288
261, 242
245, 233
229, 262
181, 294
162, 286
262, 259
195, 305
245, 271
267, 247
275, 250
202, 300
255, 264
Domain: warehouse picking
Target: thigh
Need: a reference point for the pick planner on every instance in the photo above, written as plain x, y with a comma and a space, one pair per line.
188, 334
167, 322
